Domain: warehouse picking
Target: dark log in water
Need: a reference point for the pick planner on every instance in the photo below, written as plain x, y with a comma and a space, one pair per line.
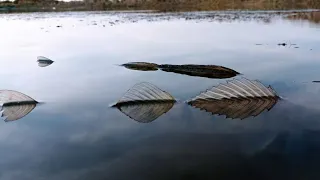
141, 66
209, 71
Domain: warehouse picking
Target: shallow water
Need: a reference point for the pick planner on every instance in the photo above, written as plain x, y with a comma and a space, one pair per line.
74, 134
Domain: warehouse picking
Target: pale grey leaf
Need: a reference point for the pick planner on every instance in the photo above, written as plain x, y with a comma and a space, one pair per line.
42, 58
237, 99
145, 92
12, 97
145, 102
43, 61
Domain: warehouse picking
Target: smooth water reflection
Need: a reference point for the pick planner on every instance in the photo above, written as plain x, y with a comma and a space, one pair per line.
76, 135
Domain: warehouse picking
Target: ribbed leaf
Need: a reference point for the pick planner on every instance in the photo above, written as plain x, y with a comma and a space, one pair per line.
43, 61
236, 99
15, 112
9, 97
209, 71
145, 92
145, 102
141, 66
42, 58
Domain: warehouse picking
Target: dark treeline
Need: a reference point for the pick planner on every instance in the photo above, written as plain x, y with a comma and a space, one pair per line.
164, 5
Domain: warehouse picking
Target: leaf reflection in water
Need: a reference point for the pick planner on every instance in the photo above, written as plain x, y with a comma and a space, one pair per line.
15, 105
15, 112
145, 112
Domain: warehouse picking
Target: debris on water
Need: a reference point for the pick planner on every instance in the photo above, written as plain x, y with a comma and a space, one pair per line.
316, 81
59, 26
145, 102
296, 47
15, 105
282, 44
237, 99
141, 66
258, 44
43, 61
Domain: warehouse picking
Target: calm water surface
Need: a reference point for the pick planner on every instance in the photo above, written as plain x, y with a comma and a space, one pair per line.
75, 134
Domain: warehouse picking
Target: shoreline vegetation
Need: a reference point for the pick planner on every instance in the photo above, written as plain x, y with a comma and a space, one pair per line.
155, 5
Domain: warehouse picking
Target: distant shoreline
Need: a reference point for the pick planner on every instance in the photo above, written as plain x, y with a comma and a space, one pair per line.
158, 11
157, 5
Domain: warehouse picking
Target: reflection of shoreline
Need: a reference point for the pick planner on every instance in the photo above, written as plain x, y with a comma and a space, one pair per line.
123, 17
313, 17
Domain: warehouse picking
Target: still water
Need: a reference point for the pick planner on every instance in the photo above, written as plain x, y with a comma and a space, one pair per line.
74, 134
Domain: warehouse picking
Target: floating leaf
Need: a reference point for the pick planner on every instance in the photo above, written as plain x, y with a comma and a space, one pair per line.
15, 105
141, 66
237, 99
10, 97
145, 102
43, 61
15, 112
210, 71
